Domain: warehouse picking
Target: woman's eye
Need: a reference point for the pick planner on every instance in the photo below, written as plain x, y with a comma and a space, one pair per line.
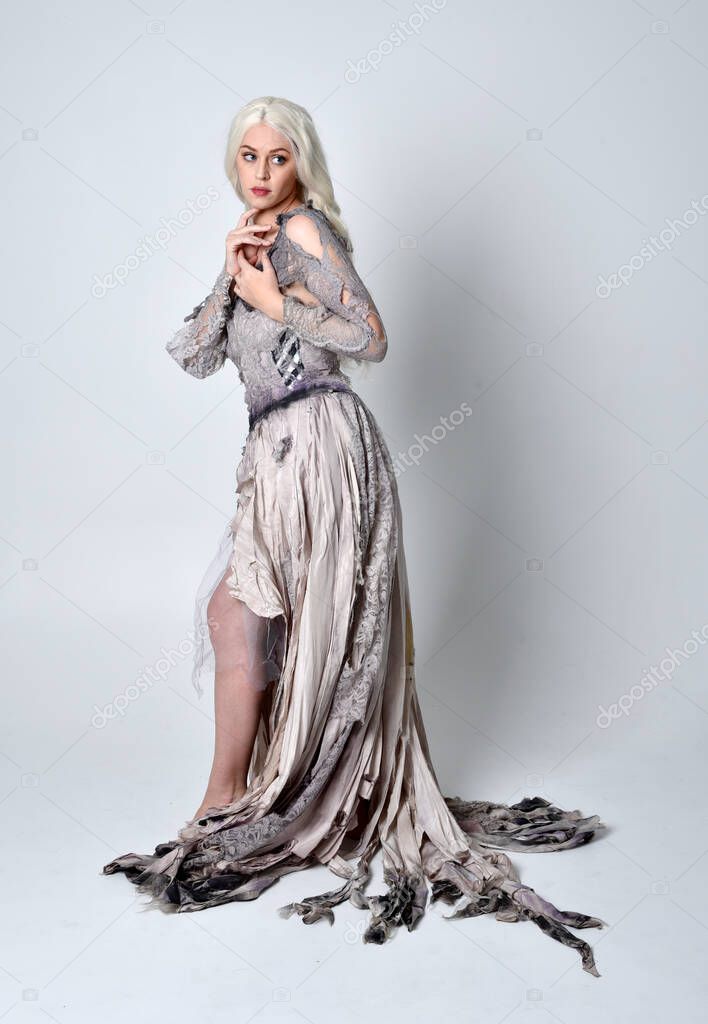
278, 156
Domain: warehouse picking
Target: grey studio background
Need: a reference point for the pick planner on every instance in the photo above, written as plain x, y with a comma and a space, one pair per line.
497, 163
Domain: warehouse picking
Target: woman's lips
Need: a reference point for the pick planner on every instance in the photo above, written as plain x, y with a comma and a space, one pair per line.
260, 191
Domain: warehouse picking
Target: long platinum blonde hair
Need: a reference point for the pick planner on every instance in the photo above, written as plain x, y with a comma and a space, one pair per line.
296, 124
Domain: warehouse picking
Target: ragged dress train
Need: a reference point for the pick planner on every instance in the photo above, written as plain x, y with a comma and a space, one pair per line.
340, 767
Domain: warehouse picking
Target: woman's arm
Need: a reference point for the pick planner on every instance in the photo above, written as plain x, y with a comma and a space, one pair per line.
345, 319
200, 346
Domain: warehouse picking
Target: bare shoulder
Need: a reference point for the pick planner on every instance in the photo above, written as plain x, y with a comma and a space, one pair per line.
304, 229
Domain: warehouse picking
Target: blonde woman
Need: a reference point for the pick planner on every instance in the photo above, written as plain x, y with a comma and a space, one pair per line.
320, 750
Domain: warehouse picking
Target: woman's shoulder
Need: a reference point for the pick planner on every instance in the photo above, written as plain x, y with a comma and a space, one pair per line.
304, 218
303, 232
300, 231
308, 209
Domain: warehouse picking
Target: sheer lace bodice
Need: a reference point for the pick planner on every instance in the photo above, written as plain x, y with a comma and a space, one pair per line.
274, 358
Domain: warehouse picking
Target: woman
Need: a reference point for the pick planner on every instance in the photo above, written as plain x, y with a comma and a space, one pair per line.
321, 755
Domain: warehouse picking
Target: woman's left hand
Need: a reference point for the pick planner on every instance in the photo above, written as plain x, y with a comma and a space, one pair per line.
259, 288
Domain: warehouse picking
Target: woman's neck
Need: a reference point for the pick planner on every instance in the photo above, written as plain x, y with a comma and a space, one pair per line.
266, 216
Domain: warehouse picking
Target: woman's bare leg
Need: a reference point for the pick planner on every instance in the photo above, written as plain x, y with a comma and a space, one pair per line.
240, 684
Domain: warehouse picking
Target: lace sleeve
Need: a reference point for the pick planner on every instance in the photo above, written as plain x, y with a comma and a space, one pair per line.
342, 319
200, 346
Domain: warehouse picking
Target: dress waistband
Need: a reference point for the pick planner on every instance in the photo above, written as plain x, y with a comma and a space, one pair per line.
292, 397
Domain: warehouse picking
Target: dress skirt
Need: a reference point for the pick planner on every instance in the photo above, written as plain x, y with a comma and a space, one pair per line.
340, 768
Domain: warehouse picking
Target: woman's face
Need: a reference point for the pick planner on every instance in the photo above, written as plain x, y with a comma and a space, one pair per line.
265, 162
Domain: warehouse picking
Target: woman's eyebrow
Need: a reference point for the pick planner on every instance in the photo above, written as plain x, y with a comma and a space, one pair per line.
278, 149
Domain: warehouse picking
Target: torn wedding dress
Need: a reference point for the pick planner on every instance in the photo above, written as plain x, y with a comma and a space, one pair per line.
314, 561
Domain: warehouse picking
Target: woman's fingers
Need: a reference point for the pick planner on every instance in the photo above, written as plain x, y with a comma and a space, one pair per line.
245, 215
252, 239
245, 234
256, 227
238, 233
240, 236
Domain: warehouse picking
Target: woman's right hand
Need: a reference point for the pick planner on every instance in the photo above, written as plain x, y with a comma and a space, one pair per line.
244, 236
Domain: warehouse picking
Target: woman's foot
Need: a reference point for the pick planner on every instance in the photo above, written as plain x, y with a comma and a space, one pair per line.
219, 798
